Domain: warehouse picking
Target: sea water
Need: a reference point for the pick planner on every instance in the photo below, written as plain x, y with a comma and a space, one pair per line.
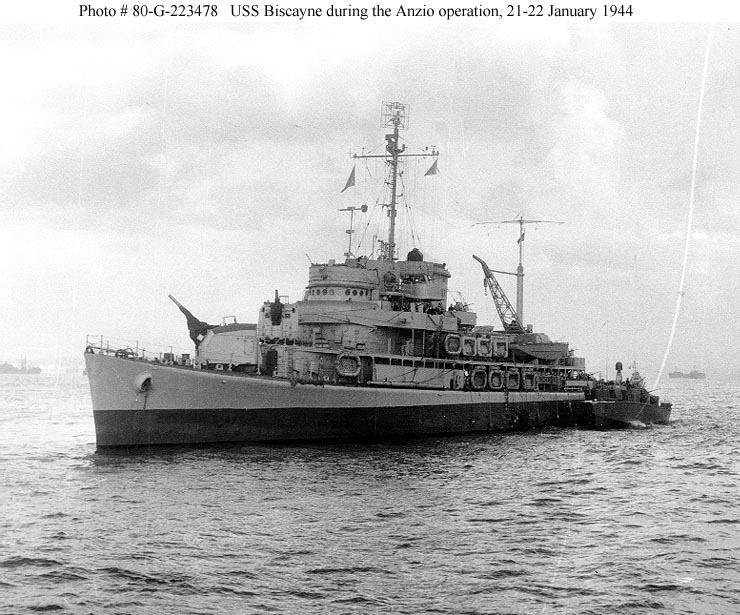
641, 520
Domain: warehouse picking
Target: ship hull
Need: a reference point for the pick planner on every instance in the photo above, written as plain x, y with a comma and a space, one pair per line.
181, 405
624, 413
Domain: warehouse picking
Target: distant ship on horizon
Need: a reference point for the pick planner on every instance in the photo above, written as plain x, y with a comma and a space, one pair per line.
692, 375
7, 368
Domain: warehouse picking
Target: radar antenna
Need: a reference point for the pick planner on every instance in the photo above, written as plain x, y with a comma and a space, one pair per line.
394, 115
521, 221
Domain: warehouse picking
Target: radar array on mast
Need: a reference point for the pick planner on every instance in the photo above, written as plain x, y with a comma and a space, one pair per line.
394, 115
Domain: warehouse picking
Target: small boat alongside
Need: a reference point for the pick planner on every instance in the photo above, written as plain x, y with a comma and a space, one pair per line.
624, 404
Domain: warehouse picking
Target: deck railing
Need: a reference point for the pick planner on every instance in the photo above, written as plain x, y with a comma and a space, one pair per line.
133, 349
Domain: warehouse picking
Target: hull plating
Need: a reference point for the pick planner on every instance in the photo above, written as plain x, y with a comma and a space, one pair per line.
181, 405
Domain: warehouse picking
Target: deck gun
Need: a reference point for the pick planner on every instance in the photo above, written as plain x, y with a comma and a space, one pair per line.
196, 328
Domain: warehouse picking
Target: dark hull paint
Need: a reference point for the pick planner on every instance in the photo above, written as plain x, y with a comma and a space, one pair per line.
607, 414
187, 406
190, 426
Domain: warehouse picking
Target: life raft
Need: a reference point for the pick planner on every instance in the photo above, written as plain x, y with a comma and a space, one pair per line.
500, 348
348, 365
484, 347
452, 345
512, 379
531, 381
495, 379
478, 378
468, 346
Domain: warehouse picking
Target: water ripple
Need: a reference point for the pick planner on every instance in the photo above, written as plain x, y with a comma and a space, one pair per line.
559, 521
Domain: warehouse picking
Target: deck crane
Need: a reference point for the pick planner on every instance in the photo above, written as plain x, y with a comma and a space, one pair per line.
521, 221
507, 314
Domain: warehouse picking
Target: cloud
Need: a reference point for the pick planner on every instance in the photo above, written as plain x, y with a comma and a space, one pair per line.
208, 161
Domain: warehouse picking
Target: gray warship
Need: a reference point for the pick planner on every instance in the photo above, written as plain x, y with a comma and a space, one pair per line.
376, 348
8, 368
692, 375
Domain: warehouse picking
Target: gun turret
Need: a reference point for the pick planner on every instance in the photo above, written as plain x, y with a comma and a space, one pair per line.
196, 328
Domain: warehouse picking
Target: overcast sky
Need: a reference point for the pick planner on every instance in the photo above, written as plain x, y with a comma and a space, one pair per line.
207, 161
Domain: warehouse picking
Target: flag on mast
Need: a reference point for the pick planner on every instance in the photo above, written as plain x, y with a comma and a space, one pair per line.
433, 170
521, 237
350, 181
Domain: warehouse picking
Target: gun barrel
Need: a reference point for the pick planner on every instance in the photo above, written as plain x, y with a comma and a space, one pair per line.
176, 302
196, 327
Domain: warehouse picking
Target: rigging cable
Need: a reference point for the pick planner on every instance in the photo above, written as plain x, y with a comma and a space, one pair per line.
411, 229
375, 209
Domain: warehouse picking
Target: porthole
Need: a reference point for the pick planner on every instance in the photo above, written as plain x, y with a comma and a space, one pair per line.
323, 292
354, 292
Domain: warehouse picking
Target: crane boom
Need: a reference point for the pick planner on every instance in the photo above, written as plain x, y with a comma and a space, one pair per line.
521, 221
506, 312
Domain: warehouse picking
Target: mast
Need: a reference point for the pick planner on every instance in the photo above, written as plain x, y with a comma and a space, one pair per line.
351, 230
393, 149
521, 221
393, 115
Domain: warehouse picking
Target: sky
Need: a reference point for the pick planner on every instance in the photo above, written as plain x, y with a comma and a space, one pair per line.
206, 159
